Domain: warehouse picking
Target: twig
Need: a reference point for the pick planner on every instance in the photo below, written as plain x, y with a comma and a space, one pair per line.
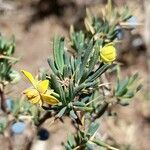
127, 25
2, 97
79, 146
8, 57
43, 119
101, 111
103, 144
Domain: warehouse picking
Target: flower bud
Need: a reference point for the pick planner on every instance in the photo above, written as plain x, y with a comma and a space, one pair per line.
108, 53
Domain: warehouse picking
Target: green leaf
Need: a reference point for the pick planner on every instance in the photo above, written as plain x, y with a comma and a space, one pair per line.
121, 87
92, 128
83, 108
132, 79
122, 92
139, 87
66, 58
84, 75
89, 146
85, 59
70, 140
73, 115
71, 89
67, 71
103, 144
124, 101
58, 88
58, 50
98, 73
129, 94
72, 64
83, 86
77, 103
101, 110
52, 66
61, 112
93, 59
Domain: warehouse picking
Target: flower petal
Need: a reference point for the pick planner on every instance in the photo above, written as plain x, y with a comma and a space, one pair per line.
34, 100
29, 77
31, 93
42, 86
49, 99
49, 91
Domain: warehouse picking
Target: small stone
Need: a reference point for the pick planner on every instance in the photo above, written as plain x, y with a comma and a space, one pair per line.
119, 33
43, 134
9, 104
18, 127
132, 22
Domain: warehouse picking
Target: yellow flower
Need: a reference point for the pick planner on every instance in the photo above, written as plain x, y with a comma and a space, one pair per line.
39, 92
108, 53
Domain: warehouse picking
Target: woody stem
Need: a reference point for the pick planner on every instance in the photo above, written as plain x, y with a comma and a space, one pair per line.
2, 97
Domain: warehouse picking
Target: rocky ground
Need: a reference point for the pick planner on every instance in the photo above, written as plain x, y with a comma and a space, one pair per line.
34, 43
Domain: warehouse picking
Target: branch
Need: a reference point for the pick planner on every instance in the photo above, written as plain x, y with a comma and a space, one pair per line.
2, 97
46, 116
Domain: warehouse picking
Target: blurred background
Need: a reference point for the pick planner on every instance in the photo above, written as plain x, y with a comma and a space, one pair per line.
34, 24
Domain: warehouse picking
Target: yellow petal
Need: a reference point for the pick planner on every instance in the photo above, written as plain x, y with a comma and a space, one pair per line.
42, 86
49, 92
49, 99
34, 100
29, 77
31, 93
104, 59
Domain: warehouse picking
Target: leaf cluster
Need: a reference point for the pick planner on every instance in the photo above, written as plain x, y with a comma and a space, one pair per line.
103, 25
86, 140
7, 73
126, 89
75, 77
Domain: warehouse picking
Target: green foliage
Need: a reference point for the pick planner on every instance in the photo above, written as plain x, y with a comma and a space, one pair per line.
77, 77
73, 77
126, 89
7, 74
86, 140
103, 25
82, 139
3, 124
24, 108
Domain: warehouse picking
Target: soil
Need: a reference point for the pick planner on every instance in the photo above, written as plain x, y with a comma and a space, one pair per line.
131, 127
